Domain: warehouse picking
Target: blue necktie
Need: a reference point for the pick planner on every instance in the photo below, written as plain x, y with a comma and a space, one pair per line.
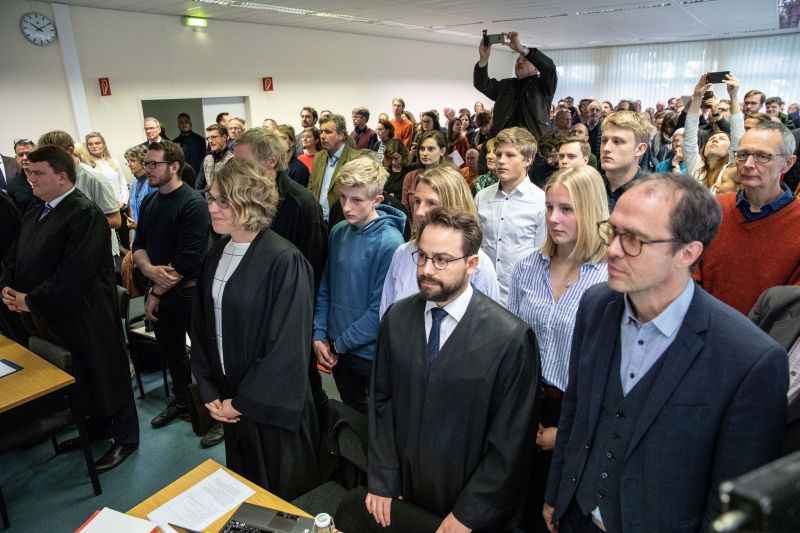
47, 209
432, 351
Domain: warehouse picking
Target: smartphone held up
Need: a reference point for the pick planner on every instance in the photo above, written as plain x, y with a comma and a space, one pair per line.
493, 38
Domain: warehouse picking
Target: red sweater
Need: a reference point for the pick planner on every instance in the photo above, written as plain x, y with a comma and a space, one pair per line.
748, 258
403, 131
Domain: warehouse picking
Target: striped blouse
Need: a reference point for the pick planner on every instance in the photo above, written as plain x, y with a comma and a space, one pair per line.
531, 299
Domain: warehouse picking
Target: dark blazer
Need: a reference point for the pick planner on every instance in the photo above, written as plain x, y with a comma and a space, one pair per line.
524, 103
318, 174
717, 411
12, 169
777, 312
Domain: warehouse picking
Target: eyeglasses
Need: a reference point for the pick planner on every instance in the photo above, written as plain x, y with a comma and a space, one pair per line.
152, 165
439, 262
221, 202
759, 157
631, 245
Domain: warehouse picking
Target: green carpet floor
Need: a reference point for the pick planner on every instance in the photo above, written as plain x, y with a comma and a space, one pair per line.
52, 493
49, 493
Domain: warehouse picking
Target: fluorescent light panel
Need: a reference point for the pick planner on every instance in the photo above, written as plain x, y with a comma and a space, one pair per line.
257, 5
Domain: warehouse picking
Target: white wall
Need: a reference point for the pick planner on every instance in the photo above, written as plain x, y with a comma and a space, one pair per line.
33, 88
655, 72
153, 57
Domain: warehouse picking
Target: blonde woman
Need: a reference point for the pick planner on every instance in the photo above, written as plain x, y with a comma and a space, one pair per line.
546, 287
109, 166
251, 369
439, 186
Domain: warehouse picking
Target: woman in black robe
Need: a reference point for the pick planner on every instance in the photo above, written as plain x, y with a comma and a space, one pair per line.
251, 336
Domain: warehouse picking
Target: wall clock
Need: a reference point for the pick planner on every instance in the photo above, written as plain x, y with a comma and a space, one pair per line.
37, 28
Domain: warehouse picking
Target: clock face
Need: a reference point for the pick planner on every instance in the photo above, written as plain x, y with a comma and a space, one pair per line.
38, 29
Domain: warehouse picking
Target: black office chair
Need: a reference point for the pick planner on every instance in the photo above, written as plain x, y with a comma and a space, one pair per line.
342, 457
143, 350
37, 422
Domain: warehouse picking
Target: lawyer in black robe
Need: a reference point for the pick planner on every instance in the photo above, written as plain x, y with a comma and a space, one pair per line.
456, 437
266, 330
63, 263
9, 230
9, 222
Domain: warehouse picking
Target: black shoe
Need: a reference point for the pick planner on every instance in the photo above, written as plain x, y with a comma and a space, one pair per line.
166, 416
214, 436
73, 444
114, 457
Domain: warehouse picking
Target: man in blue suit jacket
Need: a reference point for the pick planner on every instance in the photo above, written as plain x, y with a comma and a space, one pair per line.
670, 390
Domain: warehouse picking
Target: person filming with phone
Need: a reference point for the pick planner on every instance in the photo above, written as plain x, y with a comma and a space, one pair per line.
523, 101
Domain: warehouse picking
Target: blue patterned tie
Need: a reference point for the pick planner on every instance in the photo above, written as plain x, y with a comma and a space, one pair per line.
432, 351
47, 209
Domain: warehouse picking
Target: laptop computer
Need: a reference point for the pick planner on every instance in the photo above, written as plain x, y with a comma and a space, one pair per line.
250, 518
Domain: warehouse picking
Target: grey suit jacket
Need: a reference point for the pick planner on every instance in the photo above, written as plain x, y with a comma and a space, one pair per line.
12, 169
777, 312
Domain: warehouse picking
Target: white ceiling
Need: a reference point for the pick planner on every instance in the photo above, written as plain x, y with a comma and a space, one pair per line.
547, 24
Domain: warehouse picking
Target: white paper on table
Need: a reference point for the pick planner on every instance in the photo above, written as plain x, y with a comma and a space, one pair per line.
7, 367
456, 158
203, 503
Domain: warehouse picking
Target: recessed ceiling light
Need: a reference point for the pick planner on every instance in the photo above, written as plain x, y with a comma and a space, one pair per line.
257, 5
399, 25
626, 8
340, 17
456, 33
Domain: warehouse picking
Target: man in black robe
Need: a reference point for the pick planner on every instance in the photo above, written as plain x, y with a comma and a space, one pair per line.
59, 277
9, 222
453, 403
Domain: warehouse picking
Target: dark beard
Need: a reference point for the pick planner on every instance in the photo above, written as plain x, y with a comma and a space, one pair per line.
444, 293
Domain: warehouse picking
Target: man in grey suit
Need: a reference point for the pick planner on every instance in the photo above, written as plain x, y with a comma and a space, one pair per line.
777, 312
670, 391
8, 169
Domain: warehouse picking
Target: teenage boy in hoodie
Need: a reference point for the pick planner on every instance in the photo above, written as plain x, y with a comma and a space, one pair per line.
360, 252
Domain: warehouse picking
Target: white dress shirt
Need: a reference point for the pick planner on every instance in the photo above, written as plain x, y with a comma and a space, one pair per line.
512, 225
455, 312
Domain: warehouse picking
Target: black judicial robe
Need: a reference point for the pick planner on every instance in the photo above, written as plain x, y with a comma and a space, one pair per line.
299, 220
457, 437
266, 330
63, 262
9, 222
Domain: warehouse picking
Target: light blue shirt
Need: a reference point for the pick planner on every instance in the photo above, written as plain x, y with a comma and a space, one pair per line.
641, 345
330, 166
401, 279
531, 299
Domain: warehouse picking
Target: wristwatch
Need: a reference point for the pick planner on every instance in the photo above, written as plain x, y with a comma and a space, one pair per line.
332, 344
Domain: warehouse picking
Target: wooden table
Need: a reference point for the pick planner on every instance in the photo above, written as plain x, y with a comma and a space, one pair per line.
36, 379
262, 497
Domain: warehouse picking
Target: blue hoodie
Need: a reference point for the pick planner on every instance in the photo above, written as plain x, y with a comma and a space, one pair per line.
350, 294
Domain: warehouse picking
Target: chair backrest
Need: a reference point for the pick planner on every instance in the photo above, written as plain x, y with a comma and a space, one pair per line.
136, 310
351, 447
52, 353
122, 305
345, 445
